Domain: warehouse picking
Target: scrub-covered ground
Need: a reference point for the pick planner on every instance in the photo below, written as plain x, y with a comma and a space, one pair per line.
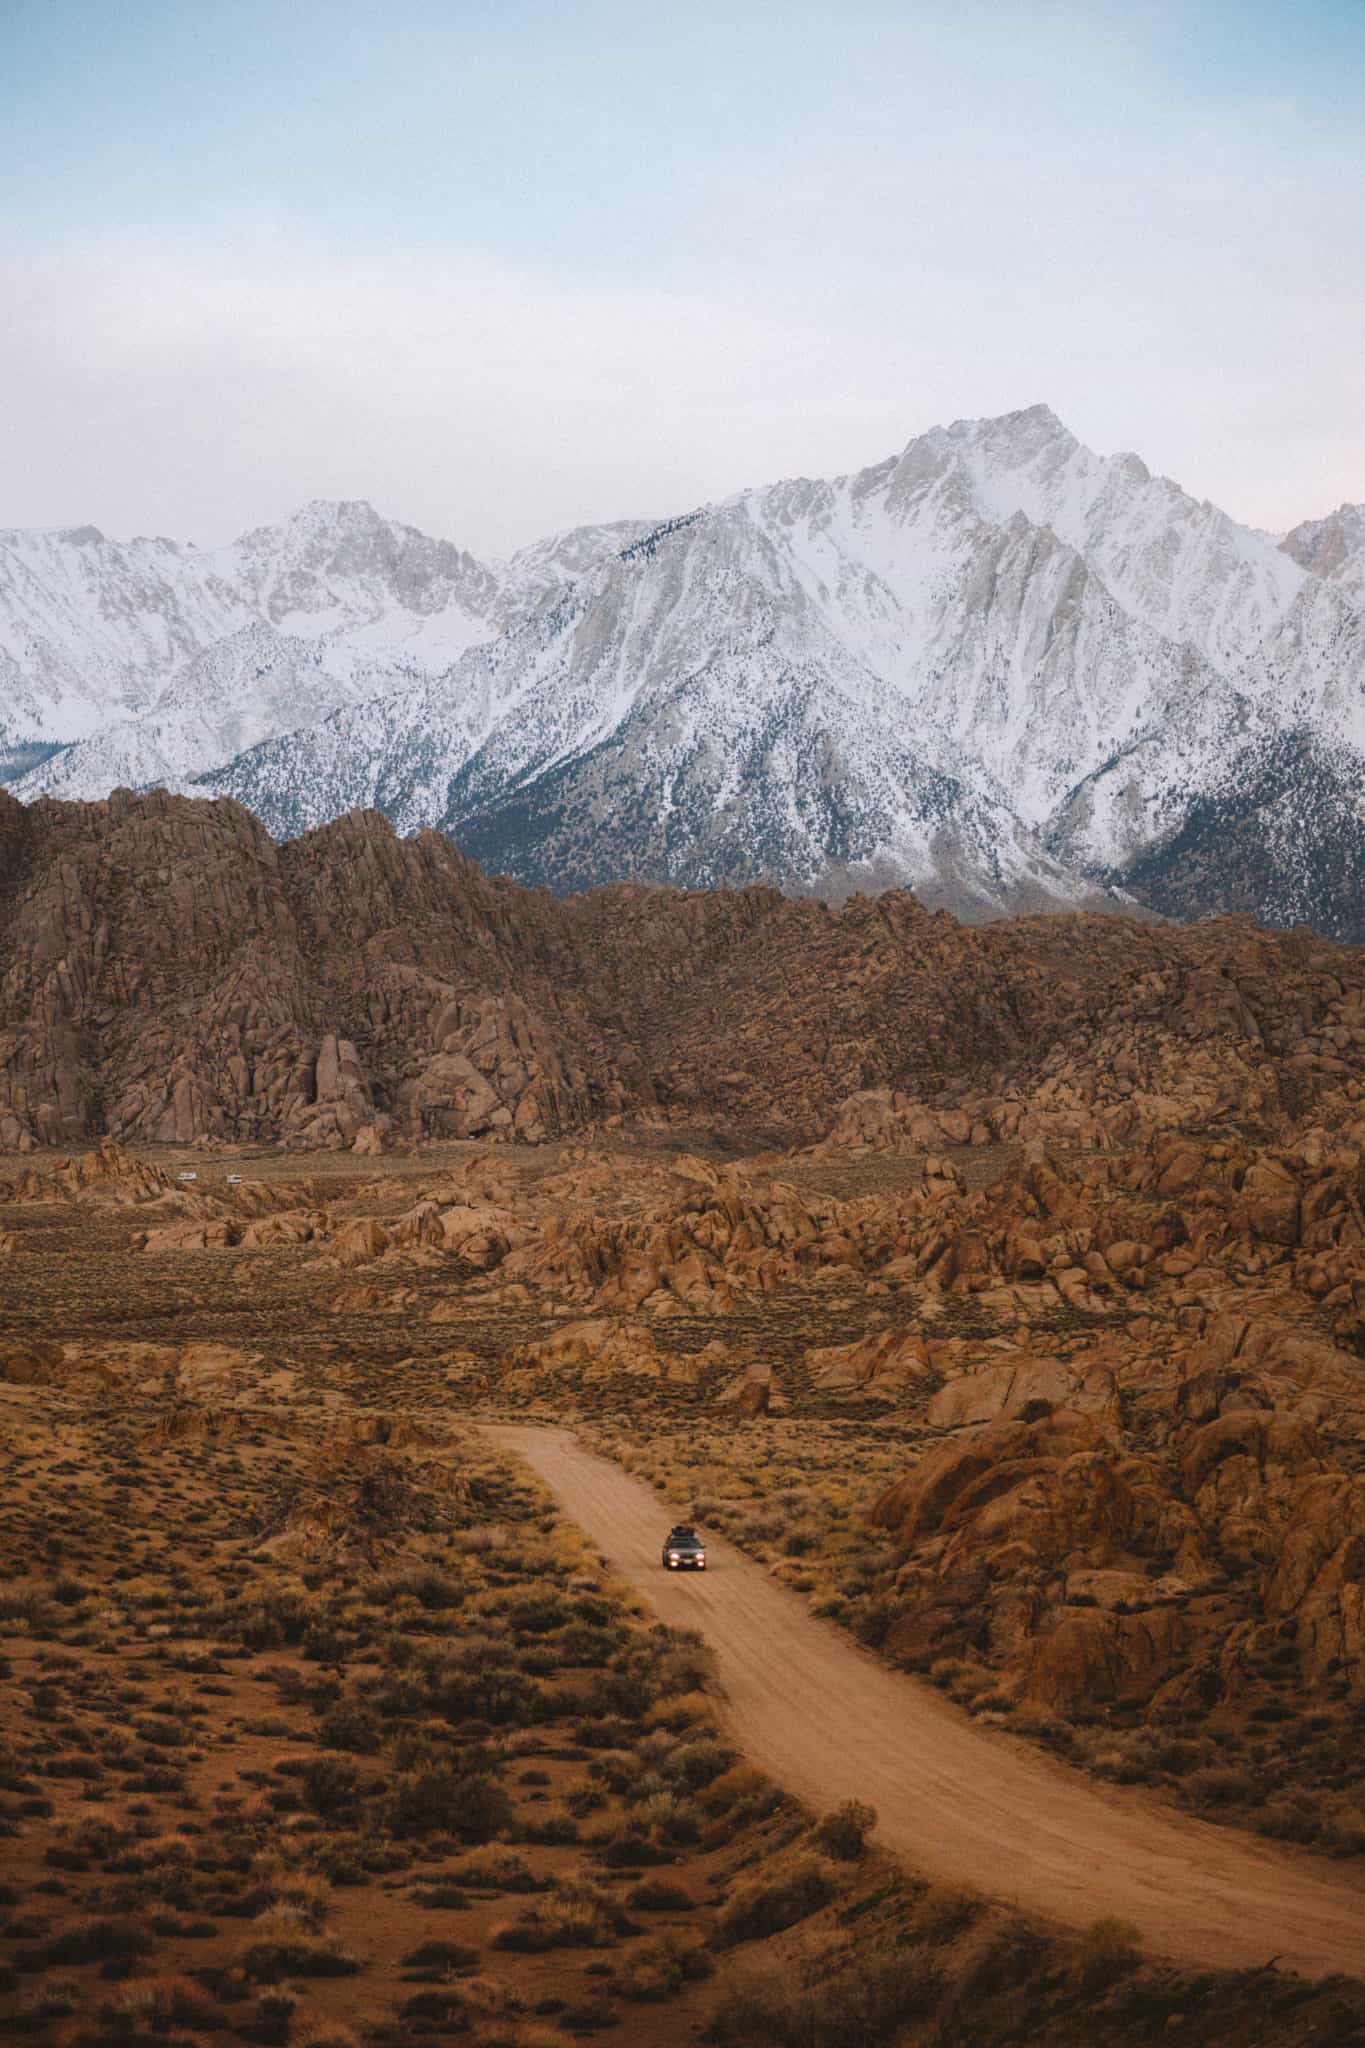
316, 1718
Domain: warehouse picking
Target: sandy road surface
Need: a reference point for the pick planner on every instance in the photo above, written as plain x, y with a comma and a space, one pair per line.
956, 1801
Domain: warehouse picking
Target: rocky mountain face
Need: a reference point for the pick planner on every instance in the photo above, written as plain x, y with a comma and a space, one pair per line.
997, 667
128, 649
1333, 548
145, 662
168, 973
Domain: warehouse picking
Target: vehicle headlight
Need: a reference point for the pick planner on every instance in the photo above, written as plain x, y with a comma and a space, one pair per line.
675, 1557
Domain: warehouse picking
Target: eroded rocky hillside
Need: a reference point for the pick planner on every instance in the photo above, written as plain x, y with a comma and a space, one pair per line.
168, 974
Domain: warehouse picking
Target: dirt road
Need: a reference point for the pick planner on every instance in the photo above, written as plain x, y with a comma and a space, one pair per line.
830, 1722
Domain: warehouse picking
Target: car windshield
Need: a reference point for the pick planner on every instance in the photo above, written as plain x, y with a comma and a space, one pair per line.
683, 1536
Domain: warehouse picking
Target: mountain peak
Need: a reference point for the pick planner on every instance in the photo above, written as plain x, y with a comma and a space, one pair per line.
1039, 415
1030, 421
351, 515
1033, 428
319, 520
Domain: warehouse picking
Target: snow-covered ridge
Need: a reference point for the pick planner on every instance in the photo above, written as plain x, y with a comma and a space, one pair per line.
151, 661
997, 665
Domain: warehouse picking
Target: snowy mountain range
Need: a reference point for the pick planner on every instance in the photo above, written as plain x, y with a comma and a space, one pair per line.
997, 666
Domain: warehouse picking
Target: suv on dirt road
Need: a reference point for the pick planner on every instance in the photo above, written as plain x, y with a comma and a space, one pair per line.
684, 1550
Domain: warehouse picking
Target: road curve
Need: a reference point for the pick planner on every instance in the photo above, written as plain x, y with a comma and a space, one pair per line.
958, 1802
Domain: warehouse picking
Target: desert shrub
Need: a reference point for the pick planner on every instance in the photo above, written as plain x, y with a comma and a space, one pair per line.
441, 1955
536, 1614
303, 1893
471, 1805
601, 1732
1039, 1721
23, 1607
501, 1871
844, 1832
1108, 1949
61, 1856
684, 1662
679, 1711
669, 1818
630, 1846
994, 1957
326, 1641
331, 1786
743, 1790
619, 1771
582, 1643
445, 1898
567, 1920
1291, 1817
992, 1701
1219, 1785
93, 1838
168, 2001
429, 1587
98, 1941
660, 1895
267, 1621
351, 1724
1343, 1833
592, 2016
699, 1763
272, 2018
760, 1528
301, 1688
556, 1830
55, 1999
326, 2034
766, 1906
852, 2009
443, 2009
943, 1911
504, 1697
872, 1620
287, 1947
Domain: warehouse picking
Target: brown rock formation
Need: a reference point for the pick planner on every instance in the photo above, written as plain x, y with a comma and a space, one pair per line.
167, 974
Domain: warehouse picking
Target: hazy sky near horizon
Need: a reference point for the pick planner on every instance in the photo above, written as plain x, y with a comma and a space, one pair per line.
507, 268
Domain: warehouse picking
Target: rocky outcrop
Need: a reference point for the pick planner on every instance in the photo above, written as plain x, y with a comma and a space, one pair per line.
169, 975
1024, 1387
1143, 1491
882, 1363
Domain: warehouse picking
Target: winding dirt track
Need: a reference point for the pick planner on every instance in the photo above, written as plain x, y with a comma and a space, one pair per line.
830, 1722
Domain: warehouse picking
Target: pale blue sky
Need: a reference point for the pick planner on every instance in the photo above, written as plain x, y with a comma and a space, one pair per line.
507, 268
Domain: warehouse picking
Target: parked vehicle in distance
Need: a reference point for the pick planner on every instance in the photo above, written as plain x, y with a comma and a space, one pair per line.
234, 1180
684, 1550
187, 1176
